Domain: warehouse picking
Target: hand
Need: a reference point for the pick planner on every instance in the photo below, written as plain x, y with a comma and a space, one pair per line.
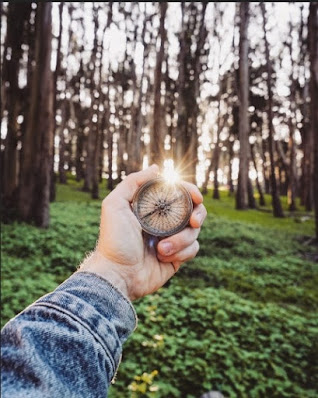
123, 257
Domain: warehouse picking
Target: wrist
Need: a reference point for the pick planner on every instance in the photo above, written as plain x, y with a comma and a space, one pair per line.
100, 265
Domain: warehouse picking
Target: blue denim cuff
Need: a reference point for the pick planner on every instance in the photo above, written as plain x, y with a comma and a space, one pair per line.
98, 306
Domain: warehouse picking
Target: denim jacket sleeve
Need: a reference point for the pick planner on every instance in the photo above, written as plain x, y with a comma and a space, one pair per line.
68, 343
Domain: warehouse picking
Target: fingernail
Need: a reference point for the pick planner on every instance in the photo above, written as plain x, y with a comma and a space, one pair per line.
166, 247
200, 218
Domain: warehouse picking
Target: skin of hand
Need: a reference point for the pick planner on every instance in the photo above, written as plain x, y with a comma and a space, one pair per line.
122, 256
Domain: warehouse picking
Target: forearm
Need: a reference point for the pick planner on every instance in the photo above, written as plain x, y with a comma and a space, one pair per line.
69, 342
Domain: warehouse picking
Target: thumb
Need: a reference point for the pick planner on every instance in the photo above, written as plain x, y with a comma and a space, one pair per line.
127, 188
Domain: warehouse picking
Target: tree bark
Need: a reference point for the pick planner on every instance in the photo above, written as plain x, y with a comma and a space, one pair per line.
190, 68
242, 187
277, 207
216, 153
93, 138
313, 50
265, 170
61, 164
56, 75
157, 136
34, 192
306, 188
181, 131
291, 194
231, 156
258, 185
18, 14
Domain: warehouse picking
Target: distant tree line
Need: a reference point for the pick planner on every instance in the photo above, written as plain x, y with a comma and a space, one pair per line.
68, 105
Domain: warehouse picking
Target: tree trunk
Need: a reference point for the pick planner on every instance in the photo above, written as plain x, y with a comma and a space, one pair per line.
91, 170
277, 207
110, 182
56, 75
250, 195
61, 166
216, 154
291, 194
266, 173
258, 185
34, 192
182, 123
313, 50
242, 187
231, 156
18, 14
190, 68
157, 136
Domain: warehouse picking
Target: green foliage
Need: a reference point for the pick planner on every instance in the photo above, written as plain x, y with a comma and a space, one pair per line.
298, 222
241, 318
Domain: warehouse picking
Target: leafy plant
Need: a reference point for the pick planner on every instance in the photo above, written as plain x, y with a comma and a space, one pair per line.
241, 318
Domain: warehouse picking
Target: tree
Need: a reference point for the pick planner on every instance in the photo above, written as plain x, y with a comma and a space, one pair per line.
313, 50
242, 187
277, 207
34, 190
291, 124
190, 68
18, 16
157, 137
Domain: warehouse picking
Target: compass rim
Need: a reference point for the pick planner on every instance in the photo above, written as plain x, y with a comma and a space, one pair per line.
151, 231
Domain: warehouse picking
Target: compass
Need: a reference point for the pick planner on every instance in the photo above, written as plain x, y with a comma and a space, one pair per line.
162, 209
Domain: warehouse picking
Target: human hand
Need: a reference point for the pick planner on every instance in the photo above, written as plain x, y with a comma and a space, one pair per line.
122, 255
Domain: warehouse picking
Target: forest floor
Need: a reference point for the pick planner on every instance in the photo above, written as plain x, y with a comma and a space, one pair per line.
240, 318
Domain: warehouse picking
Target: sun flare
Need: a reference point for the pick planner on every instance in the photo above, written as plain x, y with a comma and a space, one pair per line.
169, 173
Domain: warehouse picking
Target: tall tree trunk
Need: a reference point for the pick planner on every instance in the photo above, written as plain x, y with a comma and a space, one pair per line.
216, 154
61, 164
186, 137
277, 207
121, 143
18, 14
291, 194
182, 123
313, 50
157, 136
242, 187
91, 171
258, 185
307, 160
34, 192
250, 195
110, 182
231, 156
56, 75
265, 170
193, 150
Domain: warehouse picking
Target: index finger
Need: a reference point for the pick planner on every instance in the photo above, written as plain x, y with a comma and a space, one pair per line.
193, 190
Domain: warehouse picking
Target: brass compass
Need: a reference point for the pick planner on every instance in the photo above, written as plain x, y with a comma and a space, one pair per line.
163, 209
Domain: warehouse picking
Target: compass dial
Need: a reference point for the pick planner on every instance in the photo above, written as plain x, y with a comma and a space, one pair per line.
162, 209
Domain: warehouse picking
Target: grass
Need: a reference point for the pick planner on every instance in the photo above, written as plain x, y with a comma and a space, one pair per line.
240, 318
299, 222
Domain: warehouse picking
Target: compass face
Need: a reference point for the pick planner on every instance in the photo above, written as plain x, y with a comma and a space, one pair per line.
162, 209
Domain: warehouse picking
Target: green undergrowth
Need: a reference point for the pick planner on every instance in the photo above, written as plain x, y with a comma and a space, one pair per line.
241, 318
